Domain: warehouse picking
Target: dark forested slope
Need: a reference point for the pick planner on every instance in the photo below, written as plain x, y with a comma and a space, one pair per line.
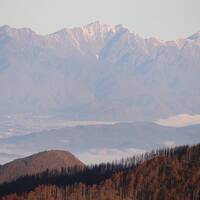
165, 174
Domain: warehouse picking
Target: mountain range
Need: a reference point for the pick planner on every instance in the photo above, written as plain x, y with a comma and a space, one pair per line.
98, 72
98, 143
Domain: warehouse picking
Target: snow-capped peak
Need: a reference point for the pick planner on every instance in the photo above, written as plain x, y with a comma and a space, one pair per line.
91, 30
95, 28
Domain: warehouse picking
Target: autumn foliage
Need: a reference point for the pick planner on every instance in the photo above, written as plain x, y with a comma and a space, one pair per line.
168, 174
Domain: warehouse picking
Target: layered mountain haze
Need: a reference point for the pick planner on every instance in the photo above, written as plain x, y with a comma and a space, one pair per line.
99, 111
98, 72
40, 162
102, 143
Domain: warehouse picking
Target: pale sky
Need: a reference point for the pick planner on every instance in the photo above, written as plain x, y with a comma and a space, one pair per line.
164, 19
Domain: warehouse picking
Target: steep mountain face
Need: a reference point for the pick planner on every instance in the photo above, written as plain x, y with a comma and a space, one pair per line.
98, 72
37, 163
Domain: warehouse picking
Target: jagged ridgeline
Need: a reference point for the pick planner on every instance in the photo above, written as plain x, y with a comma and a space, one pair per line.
163, 174
98, 72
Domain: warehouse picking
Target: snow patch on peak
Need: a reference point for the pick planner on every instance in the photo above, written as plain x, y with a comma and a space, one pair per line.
89, 32
97, 27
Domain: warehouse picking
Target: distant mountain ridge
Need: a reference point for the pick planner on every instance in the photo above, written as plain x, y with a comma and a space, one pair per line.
87, 142
98, 72
37, 163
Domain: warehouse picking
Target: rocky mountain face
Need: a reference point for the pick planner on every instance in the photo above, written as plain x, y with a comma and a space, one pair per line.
98, 72
38, 163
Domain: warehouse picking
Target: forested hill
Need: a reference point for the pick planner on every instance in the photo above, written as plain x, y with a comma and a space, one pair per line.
38, 163
165, 174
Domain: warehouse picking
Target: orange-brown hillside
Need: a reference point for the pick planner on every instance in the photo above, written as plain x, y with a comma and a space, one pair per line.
168, 175
37, 163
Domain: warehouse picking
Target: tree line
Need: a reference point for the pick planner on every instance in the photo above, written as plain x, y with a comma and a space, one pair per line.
92, 175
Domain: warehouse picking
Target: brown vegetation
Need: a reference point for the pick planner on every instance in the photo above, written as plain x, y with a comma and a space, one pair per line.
168, 175
38, 163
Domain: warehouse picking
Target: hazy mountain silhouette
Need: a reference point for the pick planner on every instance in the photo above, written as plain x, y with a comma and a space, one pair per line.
92, 139
98, 72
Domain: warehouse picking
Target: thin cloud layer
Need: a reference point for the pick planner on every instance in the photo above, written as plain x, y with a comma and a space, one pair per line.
181, 120
108, 155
